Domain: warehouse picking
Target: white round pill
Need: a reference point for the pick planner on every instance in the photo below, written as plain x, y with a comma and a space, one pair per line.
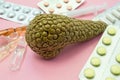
11, 15
21, 17
26, 11
2, 11
36, 12
16, 8
7, 5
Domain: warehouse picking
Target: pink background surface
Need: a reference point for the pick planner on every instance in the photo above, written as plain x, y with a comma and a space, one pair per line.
66, 66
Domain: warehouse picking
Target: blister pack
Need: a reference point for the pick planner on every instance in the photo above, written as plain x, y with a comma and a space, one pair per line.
17, 13
104, 62
59, 6
111, 16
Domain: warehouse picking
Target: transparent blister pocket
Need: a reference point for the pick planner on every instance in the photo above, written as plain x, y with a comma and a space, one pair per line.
59, 6
18, 13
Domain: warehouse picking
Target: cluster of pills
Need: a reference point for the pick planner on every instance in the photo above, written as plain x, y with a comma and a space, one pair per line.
17, 13
59, 6
104, 62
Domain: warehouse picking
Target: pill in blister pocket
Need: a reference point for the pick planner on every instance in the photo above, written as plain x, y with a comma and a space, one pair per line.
66, 1
51, 10
110, 18
111, 31
69, 7
78, 1
115, 69
1, 1
110, 78
101, 50
2, 11
36, 12
46, 4
118, 58
11, 14
58, 5
106, 40
7, 5
26, 11
114, 13
16, 8
89, 73
21, 17
95, 61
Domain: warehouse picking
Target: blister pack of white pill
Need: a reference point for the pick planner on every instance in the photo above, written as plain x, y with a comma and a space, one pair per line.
59, 6
17, 13
111, 16
104, 62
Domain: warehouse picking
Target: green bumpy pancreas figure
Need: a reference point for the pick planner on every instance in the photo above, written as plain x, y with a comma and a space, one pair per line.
47, 34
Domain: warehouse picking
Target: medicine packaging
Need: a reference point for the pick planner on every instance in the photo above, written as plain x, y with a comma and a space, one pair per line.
18, 13
104, 62
59, 6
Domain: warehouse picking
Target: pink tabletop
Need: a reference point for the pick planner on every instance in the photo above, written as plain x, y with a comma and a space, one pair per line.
66, 66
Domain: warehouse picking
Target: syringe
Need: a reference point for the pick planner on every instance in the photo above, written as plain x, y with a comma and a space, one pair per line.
85, 11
